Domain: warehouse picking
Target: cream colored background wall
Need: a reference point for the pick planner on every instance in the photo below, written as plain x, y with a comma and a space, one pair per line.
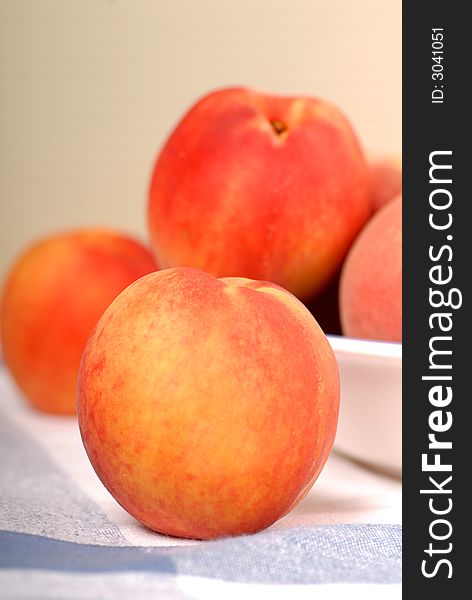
90, 88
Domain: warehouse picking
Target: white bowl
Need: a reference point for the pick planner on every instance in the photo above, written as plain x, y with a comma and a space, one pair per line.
370, 415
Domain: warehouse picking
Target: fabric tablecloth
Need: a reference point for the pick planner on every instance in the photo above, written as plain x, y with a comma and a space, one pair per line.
62, 536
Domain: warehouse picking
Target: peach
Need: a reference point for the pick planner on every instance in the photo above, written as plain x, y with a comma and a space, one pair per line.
371, 279
207, 407
264, 187
53, 297
385, 179
325, 308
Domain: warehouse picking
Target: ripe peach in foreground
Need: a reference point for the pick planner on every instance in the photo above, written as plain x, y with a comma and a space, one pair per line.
266, 187
371, 280
207, 407
385, 179
53, 298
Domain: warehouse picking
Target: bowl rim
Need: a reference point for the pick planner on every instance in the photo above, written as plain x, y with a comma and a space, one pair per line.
362, 347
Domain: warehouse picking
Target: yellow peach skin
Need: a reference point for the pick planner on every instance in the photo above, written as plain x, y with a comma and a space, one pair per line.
370, 293
207, 407
266, 187
52, 299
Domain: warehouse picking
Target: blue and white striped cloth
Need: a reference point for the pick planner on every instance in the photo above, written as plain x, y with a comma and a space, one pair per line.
62, 536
